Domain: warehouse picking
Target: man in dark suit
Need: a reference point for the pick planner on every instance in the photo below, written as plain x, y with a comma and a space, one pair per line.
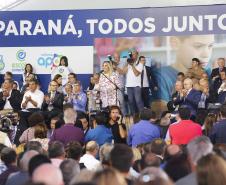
53, 101
216, 71
17, 129
10, 98
173, 105
215, 87
148, 82
189, 96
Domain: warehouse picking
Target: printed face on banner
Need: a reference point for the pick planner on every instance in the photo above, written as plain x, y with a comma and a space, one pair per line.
166, 55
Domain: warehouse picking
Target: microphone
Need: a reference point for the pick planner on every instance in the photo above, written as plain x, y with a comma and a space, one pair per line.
101, 71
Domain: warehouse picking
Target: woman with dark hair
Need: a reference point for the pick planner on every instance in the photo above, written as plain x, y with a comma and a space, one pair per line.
63, 61
28, 69
58, 78
62, 69
33, 120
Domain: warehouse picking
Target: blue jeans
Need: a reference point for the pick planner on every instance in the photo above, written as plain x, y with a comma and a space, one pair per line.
134, 93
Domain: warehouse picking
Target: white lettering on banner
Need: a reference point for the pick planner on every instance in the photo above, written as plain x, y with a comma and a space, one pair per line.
39, 28
2, 26
210, 19
91, 22
54, 27
109, 26
194, 23
135, 25
220, 22
120, 26
149, 23
26, 27
11, 28
137, 22
116, 26
189, 23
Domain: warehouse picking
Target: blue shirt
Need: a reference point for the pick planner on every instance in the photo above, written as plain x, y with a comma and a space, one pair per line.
100, 134
79, 101
142, 132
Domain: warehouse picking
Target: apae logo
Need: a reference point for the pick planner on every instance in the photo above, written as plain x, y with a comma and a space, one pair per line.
46, 60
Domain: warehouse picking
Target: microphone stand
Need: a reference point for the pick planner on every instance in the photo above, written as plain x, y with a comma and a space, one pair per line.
117, 87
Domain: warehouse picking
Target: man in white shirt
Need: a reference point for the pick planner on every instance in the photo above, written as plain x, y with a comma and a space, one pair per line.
133, 71
33, 98
32, 101
89, 160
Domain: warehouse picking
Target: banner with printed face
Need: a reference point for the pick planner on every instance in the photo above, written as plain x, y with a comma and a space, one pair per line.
168, 37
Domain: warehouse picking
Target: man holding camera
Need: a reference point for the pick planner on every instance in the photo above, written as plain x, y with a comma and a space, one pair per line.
133, 71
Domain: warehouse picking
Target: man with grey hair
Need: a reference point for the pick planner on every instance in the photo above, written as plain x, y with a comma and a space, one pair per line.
197, 148
68, 132
48, 174
22, 176
69, 169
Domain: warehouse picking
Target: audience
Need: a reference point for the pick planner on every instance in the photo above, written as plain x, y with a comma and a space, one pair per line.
73, 156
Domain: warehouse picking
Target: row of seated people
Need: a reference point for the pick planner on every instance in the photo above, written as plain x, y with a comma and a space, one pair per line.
200, 91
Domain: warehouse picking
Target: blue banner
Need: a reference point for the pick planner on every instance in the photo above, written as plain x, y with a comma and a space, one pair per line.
80, 27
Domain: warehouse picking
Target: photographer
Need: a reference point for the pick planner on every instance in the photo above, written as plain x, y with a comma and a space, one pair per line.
9, 97
117, 127
133, 71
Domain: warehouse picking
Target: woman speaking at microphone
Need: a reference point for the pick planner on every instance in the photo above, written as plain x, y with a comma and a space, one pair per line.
108, 84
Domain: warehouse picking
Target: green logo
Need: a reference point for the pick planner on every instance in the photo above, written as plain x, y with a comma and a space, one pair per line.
2, 64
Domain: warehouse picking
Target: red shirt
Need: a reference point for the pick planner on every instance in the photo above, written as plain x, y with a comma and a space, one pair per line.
184, 131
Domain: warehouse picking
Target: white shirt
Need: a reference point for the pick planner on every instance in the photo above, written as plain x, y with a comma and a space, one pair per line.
7, 103
37, 96
222, 87
4, 139
131, 79
90, 162
145, 78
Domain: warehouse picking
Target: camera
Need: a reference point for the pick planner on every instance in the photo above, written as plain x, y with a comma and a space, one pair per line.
130, 54
130, 59
109, 57
7, 122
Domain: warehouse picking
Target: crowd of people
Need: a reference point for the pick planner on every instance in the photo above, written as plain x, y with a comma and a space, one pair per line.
110, 134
